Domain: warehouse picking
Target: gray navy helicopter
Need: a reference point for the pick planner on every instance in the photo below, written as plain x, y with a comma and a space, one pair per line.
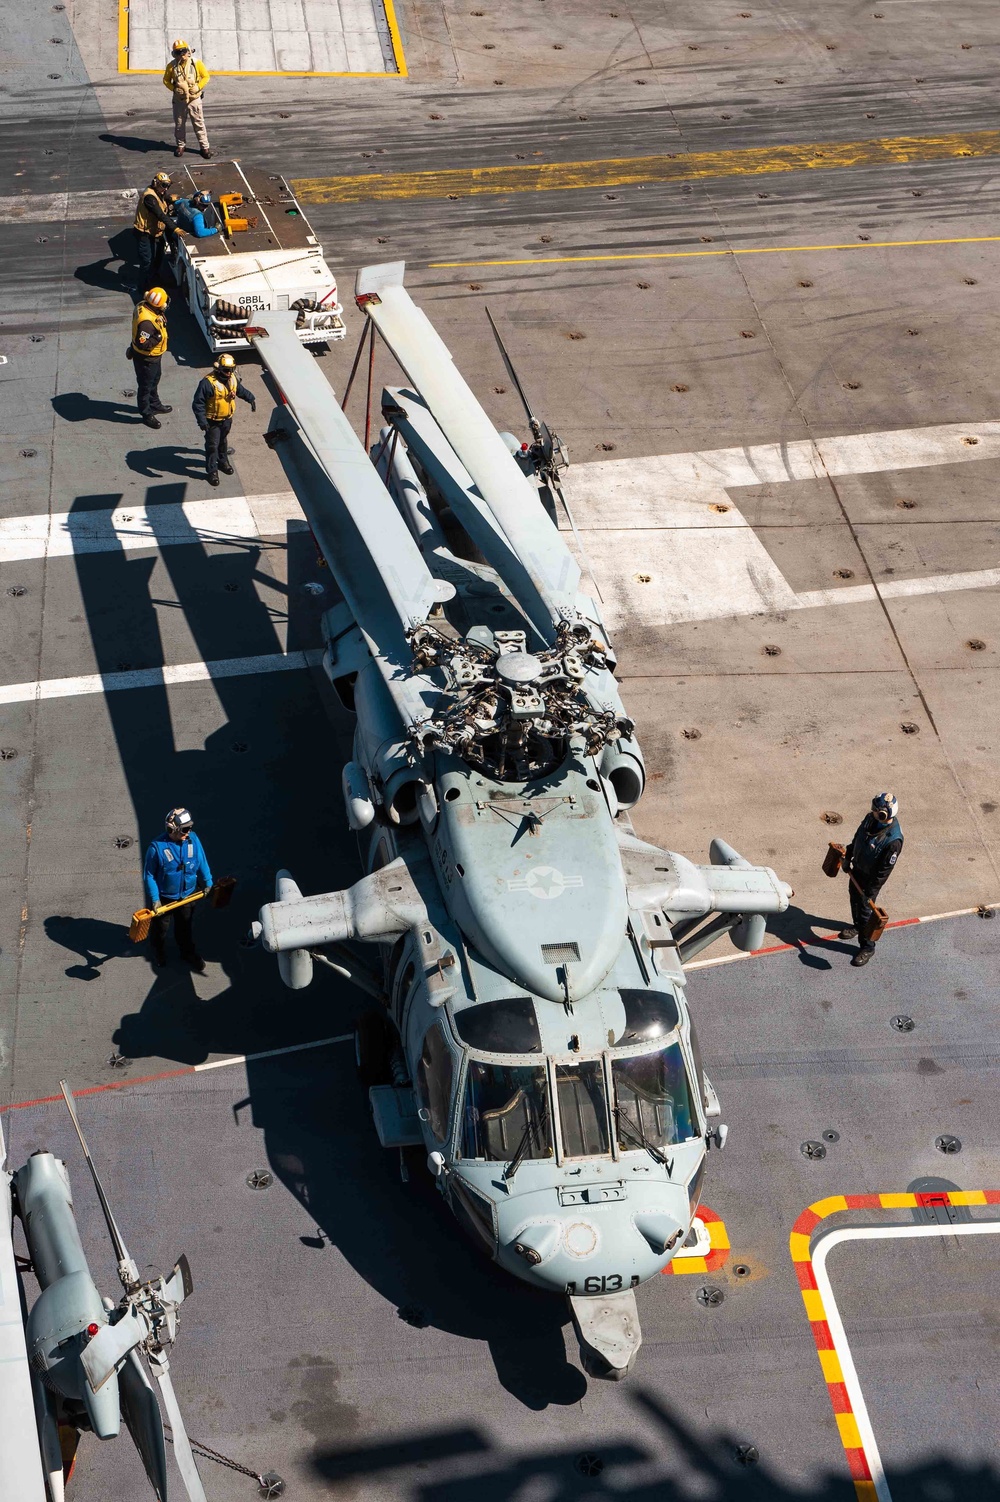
72, 1363
531, 1033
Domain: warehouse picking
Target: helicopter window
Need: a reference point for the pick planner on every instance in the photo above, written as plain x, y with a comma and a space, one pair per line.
501, 1105
648, 1015
583, 1109
434, 1076
500, 1026
699, 1068
653, 1099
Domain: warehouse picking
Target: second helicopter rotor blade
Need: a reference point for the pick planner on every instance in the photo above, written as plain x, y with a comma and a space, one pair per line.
141, 1413
532, 419
182, 1445
127, 1269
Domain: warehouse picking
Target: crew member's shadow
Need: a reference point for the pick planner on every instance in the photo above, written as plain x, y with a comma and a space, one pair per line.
76, 406
168, 459
94, 940
135, 143
798, 928
99, 274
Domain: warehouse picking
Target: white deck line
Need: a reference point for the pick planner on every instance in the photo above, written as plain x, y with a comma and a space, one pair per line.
824, 1246
231, 520
182, 672
270, 1053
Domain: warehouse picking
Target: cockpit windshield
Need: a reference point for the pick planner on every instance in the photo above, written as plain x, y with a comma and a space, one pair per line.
654, 1102
502, 1106
583, 1109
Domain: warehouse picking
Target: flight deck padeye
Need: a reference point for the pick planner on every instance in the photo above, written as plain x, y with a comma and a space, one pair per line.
531, 1032
266, 257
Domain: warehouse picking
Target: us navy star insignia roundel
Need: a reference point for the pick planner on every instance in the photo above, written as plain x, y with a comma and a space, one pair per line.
545, 881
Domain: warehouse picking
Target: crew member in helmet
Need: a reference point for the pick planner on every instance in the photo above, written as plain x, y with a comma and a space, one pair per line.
152, 217
176, 866
149, 345
213, 406
196, 215
871, 858
186, 79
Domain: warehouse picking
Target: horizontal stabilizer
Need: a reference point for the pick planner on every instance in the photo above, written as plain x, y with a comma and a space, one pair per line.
514, 501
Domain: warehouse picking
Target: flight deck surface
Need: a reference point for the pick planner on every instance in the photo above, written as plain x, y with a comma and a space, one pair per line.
342, 1335
775, 373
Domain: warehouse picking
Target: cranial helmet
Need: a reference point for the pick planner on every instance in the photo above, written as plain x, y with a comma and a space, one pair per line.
162, 180
226, 363
202, 198
156, 298
180, 45
178, 823
884, 807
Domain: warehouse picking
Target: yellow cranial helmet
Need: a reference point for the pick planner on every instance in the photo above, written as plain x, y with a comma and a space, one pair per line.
156, 298
226, 363
179, 46
162, 180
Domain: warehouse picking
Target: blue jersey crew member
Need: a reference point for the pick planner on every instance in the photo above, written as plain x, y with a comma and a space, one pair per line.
196, 215
213, 406
176, 866
871, 859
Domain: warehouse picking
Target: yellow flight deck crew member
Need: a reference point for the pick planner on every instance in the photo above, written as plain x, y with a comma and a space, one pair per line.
186, 78
149, 345
213, 406
152, 217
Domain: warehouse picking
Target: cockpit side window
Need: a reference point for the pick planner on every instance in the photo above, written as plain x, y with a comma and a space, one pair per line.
433, 1082
653, 1099
648, 1015
502, 1105
583, 1109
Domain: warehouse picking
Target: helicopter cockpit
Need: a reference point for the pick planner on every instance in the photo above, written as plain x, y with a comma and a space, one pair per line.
516, 1101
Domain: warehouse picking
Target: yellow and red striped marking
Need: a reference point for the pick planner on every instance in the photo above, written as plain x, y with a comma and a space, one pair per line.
719, 1241
800, 1247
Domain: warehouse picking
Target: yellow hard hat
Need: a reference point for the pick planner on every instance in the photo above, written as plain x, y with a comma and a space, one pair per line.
162, 180
156, 298
225, 362
180, 45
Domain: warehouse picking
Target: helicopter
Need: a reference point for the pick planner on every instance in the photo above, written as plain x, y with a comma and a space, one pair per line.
530, 1031
72, 1364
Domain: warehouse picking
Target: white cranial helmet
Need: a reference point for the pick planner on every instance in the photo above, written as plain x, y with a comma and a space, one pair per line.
884, 807
179, 822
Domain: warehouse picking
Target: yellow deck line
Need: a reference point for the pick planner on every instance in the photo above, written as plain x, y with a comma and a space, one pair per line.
620, 172
736, 250
394, 37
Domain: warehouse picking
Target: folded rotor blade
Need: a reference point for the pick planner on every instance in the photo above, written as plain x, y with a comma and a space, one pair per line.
182, 1445
145, 1424
427, 361
364, 539
101, 1355
127, 1270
